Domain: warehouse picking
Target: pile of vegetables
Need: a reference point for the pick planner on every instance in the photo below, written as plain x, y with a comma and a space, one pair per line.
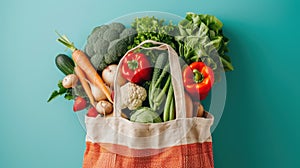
146, 87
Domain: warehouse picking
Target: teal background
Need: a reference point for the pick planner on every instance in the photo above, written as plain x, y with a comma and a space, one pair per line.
260, 123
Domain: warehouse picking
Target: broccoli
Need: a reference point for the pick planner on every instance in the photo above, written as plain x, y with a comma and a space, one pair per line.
99, 29
102, 46
111, 34
97, 33
127, 32
117, 47
110, 58
108, 43
119, 27
116, 50
121, 47
89, 50
96, 60
128, 35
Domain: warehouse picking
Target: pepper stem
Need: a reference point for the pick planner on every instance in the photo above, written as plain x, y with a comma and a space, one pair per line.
198, 77
133, 64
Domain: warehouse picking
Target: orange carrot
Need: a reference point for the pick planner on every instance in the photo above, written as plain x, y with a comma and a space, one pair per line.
84, 63
81, 76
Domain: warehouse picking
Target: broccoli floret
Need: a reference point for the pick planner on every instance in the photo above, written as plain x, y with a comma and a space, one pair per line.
92, 38
102, 66
89, 50
117, 26
97, 33
110, 58
121, 47
112, 47
97, 60
101, 46
128, 35
117, 47
128, 32
111, 35
100, 29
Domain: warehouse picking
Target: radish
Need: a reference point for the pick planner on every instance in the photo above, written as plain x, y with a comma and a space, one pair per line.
92, 112
79, 104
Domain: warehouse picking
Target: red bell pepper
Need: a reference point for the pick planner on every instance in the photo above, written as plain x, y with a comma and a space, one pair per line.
136, 67
198, 79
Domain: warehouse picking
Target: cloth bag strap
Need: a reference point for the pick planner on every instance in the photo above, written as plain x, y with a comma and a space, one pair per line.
175, 71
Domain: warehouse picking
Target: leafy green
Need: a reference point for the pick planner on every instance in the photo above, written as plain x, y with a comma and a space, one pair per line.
61, 91
201, 39
151, 28
196, 38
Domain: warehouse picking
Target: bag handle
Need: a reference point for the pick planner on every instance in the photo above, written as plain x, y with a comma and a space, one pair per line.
176, 74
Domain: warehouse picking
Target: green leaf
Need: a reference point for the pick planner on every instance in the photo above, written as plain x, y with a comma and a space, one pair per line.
227, 65
61, 91
53, 95
69, 97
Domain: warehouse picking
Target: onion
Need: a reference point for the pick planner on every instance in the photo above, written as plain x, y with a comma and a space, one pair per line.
108, 75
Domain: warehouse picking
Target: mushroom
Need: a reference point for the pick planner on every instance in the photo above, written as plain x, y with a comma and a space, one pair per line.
104, 107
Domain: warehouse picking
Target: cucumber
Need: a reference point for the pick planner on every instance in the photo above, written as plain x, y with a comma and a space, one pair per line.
65, 64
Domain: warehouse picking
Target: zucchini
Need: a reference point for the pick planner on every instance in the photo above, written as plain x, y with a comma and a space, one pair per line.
65, 64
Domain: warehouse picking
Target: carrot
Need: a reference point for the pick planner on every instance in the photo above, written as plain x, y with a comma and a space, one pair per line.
84, 63
81, 76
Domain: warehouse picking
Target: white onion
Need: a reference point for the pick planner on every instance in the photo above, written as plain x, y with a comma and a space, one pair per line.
108, 75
